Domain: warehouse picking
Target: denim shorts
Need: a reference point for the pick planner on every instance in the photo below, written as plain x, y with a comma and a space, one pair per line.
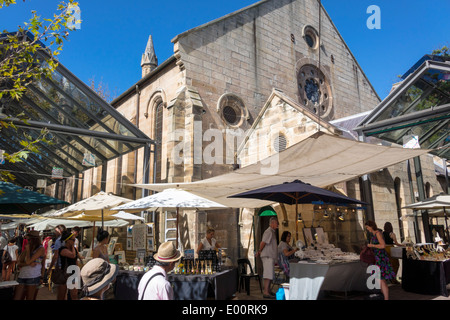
29, 281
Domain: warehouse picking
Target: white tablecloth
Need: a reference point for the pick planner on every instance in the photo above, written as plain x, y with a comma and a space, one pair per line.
396, 252
8, 284
308, 279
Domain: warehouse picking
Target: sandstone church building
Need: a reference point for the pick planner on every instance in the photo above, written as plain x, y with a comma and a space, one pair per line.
279, 66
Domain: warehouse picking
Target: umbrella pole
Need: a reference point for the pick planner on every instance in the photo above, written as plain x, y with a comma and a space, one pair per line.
93, 236
102, 218
177, 230
446, 225
296, 218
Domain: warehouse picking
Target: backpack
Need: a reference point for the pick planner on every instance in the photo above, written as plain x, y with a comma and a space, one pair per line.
6, 257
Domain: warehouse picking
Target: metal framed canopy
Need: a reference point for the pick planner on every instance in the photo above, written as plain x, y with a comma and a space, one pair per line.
79, 122
417, 109
419, 106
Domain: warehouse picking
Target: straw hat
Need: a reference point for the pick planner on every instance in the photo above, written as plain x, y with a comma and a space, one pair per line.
167, 252
97, 274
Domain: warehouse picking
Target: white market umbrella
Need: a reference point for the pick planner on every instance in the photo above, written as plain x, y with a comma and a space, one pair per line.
47, 224
435, 202
126, 216
100, 205
170, 198
440, 201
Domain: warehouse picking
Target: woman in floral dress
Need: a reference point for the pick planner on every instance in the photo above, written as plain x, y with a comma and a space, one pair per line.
381, 257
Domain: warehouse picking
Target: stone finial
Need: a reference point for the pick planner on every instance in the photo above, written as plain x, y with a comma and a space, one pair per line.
149, 60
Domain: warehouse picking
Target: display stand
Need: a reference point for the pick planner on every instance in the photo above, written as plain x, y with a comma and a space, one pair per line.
425, 277
219, 286
7, 289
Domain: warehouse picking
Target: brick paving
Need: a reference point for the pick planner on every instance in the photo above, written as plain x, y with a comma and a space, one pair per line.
395, 293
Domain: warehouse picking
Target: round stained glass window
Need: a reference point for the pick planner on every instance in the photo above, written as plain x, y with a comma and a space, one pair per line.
314, 90
310, 40
231, 109
229, 114
311, 37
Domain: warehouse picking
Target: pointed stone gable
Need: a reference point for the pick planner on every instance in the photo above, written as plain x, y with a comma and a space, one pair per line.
281, 123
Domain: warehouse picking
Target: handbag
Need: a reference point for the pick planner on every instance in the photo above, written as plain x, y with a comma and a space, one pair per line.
6, 257
367, 255
59, 276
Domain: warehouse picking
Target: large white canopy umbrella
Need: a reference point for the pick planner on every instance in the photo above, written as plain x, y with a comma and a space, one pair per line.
170, 198
440, 201
100, 205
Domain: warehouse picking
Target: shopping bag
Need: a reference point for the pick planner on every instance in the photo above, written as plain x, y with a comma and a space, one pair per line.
367, 255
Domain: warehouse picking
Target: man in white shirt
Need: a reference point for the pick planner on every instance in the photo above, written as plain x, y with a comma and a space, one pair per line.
154, 285
268, 250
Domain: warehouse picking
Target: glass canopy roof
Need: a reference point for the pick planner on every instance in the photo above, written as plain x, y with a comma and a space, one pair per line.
419, 106
79, 122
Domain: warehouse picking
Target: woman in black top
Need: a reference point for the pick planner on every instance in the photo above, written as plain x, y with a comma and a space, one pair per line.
68, 255
390, 239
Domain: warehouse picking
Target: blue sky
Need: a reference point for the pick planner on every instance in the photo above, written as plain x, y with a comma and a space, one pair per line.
113, 34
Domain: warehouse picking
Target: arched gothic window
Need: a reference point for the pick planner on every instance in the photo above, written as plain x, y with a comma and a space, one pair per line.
157, 136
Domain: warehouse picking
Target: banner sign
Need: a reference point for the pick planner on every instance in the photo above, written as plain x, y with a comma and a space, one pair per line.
89, 159
57, 173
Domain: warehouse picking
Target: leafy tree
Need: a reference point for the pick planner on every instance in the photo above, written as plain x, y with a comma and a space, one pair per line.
444, 52
23, 59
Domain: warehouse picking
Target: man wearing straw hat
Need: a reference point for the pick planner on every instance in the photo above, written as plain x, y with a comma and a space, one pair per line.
154, 285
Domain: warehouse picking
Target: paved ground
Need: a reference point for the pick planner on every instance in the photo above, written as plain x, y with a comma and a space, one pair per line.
395, 291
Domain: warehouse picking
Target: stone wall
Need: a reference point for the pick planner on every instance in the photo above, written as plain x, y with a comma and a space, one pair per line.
253, 51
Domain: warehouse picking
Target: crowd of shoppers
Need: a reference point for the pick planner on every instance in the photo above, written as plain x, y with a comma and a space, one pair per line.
24, 256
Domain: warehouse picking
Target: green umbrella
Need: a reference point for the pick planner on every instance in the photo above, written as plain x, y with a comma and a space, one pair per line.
267, 211
18, 200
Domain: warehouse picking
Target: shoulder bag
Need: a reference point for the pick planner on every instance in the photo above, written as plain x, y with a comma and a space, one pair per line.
59, 274
6, 257
367, 255
145, 288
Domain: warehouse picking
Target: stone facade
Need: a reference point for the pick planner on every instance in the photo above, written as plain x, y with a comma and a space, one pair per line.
263, 67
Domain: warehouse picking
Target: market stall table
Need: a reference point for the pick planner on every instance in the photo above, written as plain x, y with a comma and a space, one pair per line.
307, 279
7, 289
220, 285
425, 277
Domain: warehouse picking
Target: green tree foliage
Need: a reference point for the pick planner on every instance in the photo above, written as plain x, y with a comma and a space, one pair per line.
24, 59
444, 52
